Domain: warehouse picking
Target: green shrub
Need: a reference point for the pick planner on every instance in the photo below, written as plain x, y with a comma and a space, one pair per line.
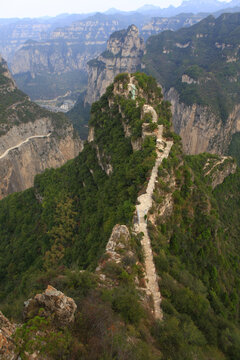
126, 302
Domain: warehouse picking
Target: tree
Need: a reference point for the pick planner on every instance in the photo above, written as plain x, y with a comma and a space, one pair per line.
62, 233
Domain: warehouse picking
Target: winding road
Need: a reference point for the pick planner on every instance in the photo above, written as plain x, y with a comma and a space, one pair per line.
23, 142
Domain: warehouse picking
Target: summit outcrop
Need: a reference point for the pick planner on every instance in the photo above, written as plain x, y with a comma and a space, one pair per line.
124, 51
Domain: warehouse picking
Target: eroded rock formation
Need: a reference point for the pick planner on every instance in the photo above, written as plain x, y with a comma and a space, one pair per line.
52, 303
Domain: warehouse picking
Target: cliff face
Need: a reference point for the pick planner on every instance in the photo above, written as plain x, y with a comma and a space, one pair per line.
124, 51
21, 164
67, 48
53, 56
15, 32
94, 30
31, 139
200, 129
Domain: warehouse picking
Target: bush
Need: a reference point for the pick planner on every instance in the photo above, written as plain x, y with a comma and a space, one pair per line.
126, 302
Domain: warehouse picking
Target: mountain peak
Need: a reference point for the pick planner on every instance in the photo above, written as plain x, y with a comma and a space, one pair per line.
123, 54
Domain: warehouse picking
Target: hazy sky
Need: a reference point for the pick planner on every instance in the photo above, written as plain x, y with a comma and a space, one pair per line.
37, 8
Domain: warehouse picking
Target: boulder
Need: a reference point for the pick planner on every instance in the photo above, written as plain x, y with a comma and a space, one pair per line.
51, 303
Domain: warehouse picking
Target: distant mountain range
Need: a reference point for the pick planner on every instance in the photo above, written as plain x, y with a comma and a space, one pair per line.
189, 6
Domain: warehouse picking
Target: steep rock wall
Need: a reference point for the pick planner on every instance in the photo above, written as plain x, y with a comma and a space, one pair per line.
31, 139
19, 167
200, 129
53, 57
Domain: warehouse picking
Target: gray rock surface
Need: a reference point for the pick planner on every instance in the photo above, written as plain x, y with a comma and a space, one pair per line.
200, 129
31, 139
20, 165
52, 303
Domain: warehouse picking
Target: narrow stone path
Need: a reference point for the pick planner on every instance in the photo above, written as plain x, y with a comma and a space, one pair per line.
163, 148
223, 158
23, 142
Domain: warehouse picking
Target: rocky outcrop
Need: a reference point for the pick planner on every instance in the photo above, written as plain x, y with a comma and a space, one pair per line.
124, 52
200, 129
7, 347
118, 242
51, 303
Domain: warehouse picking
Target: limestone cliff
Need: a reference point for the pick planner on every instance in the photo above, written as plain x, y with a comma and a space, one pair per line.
53, 56
31, 139
66, 49
21, 164
124, 51
200, 129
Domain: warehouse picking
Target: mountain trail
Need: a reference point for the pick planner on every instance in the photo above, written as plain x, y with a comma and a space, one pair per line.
144, 203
